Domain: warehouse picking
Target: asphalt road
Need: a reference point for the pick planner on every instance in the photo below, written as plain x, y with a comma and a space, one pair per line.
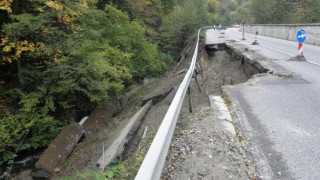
279, 113
281, 49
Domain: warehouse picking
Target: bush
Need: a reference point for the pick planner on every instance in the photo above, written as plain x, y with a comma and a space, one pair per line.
29, 128
62, 60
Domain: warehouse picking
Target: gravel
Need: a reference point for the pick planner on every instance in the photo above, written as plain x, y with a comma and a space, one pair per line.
200, 148
201, 151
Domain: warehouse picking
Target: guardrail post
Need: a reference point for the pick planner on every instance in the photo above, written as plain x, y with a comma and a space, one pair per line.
153, 162
190, 102
198, 71
195, 77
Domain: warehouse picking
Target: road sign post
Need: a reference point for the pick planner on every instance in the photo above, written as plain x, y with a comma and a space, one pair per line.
300, 49
243, 33
301, 38
255, 42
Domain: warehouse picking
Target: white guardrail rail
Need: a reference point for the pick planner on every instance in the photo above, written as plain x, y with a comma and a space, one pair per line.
153, 162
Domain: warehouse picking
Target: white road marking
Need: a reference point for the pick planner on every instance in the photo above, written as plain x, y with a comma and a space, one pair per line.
278, 51
311, 62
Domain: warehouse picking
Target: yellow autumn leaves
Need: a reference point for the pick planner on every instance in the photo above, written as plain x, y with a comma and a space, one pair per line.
6, 5
66, 15
54, 5
16, 49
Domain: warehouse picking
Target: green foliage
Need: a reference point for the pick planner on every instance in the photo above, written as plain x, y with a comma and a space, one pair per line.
181, 23
115, 170
242, 13
148, 13
213, 11
277, 11
226, 7
71, 159
129, 37
29, 128
119, 169
168, 5
129, 168
90, 174
62, 60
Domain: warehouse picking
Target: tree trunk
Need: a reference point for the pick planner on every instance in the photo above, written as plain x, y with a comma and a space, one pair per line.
19, 71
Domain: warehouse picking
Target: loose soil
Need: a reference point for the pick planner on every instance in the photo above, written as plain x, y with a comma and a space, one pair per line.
199, 149
86, 154
195, 138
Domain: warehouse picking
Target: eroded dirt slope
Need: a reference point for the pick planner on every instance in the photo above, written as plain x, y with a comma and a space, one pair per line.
106, 128
200, 149
195, 135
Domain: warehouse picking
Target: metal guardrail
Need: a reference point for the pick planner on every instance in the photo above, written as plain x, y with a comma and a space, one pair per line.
153, 163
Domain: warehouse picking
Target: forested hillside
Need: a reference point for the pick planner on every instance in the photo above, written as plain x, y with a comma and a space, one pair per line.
274, 11
59, 60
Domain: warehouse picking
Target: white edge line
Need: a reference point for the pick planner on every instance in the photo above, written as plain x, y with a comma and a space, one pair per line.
311, 62
278, 51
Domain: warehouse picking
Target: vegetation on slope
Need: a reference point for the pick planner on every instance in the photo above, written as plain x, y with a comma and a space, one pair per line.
274, 11
61, 59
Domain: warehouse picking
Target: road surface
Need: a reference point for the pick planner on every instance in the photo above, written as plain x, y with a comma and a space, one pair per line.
279, 112
278, 48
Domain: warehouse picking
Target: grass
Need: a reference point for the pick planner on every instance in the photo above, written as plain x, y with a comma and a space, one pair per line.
114, 170
227, 100
71, 160
124, 170
119, 169
141, 92
88, 175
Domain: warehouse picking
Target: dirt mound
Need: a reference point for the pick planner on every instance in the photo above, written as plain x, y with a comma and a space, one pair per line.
297, 58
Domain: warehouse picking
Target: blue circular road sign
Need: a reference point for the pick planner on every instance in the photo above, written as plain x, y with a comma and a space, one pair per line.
301, 36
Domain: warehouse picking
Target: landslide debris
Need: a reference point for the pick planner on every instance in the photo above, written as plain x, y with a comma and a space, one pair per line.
200, 149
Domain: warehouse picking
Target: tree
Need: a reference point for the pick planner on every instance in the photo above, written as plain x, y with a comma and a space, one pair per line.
213, 11
260, 11
280, 11
225, 10
180, 24
59, 61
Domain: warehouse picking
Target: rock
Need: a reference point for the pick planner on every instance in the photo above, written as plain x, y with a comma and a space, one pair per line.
24, 175
41, 174
58, 151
